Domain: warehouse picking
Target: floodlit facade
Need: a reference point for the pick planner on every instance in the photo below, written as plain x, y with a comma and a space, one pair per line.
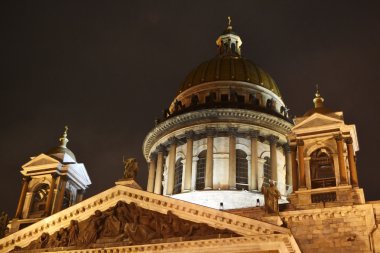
228, 170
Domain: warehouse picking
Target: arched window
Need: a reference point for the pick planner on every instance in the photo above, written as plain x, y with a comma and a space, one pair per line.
241, 170
201, 167
267, 171
39, 200
178, 176
322, 169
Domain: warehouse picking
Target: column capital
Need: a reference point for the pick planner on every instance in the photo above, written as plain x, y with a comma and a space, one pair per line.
286, 148
26, 179
189, 134
254, 134
160, 148
152, 156
348, 140
300, 142
338, 137
210, 131
232, 131
172, 140
273, 139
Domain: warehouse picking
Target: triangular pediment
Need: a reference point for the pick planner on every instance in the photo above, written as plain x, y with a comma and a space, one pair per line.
318, 120
41, 161
197, 219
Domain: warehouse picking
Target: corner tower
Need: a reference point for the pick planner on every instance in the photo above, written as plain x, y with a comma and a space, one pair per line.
224, 134
52, 181
323, 151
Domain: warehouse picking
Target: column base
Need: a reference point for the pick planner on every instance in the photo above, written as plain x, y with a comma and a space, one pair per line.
207, 188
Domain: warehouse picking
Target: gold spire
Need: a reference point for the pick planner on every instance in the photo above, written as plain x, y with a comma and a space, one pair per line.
64, 139
318, 100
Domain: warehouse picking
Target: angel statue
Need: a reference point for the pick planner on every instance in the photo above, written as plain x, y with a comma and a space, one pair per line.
130, 168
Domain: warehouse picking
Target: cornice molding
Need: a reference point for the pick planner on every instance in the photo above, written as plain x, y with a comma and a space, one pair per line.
214, 116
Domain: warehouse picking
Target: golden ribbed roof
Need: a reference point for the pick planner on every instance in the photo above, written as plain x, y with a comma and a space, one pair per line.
229, 68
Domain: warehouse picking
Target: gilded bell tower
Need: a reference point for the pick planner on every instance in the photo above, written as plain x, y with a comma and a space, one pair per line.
51, 181
323, 151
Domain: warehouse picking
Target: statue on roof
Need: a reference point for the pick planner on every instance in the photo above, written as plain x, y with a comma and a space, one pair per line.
130, 168
271, 197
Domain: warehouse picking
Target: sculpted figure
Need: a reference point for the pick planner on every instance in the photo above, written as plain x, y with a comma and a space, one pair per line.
130, 168
140, 230
43, 241
271, 196
93, 228
73, 233
111, 226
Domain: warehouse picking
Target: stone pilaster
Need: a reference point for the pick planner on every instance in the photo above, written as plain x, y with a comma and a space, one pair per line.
342, 164
171, 168
159, 170
352, 163
189, 160
253, 184
301, 164
209, 158
232, 157
273, 155
152, 172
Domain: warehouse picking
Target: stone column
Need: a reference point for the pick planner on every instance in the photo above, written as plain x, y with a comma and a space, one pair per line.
253, 184
209, 159
189, 160
273, 156
294, 168
342, 164
352, 163
301, 164
60, 193
160, 166
288, 164
171, 167
260, 172
194, 173
232, 158
307, 172
48, 205
152, 172
24, 190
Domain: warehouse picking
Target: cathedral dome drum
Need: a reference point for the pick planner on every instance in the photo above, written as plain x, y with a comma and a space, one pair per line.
223, 136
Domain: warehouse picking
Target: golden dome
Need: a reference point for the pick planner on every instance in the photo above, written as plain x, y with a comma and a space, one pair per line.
230, 68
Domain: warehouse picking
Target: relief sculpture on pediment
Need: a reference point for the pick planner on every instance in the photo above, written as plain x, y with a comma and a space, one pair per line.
125, 224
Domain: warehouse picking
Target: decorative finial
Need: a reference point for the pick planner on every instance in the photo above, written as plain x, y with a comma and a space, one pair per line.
64, 139
318, 100
229, 23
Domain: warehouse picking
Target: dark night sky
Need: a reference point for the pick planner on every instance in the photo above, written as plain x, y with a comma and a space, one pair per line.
108, 68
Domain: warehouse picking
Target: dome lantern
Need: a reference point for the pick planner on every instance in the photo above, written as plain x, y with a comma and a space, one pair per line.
229, 43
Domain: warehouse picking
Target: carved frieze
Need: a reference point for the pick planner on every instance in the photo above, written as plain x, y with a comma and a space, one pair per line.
125, 224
